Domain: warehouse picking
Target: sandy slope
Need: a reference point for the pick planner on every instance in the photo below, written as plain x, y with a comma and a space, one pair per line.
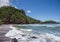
3, 30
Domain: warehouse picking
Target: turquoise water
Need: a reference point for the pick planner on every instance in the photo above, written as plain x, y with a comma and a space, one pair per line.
45, 32
47, 28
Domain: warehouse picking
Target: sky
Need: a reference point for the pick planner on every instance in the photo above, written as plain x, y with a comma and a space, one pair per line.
38, 9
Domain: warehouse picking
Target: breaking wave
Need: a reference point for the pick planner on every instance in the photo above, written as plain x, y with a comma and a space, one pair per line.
38, 33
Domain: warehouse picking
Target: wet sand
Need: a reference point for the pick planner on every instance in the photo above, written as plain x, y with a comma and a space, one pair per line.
3, 30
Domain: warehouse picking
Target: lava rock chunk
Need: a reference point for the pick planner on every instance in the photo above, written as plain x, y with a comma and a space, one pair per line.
14, 40
33, 37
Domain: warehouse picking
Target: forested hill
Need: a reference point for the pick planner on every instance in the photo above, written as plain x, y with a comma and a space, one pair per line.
11, 15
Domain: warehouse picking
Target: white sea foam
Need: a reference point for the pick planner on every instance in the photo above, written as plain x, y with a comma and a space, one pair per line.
28, 35
13, 33
14, 28
26, 29
50, 26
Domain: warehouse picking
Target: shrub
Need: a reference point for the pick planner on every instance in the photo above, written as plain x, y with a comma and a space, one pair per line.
1, 22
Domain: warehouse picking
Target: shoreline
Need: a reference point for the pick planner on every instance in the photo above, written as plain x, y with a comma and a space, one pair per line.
3, 30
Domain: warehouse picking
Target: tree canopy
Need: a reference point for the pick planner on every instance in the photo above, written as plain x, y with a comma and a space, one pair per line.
11, 15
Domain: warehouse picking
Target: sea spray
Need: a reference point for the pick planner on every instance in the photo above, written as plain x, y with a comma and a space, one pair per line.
37, 34
37, 38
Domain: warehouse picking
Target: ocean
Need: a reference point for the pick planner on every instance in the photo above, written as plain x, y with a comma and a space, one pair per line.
40, 32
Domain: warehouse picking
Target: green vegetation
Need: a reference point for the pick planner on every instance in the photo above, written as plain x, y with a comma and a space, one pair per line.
49, 22
11, 15
33, 21
1, 22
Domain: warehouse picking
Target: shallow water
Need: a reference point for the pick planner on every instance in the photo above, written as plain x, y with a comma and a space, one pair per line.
41, 32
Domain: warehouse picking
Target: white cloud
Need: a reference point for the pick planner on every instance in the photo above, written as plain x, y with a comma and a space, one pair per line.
4, 3
16, 7
28, 11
